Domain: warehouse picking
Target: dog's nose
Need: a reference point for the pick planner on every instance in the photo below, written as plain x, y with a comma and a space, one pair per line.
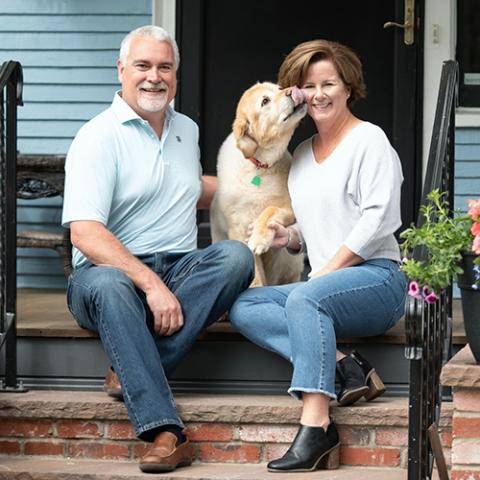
297, 95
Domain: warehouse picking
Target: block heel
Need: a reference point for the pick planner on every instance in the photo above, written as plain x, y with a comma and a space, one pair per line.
357, 379
331, 461
375, 386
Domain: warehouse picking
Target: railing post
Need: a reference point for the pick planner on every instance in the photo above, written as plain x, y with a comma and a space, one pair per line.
429, 326
10, 238
13, 86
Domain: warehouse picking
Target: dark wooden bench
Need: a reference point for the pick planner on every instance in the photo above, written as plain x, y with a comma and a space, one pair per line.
41, 176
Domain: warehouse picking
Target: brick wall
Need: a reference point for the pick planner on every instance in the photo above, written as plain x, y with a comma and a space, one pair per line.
466, 434
381, 443
463, 374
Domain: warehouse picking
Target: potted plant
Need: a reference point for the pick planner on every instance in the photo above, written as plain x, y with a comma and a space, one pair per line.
451, 251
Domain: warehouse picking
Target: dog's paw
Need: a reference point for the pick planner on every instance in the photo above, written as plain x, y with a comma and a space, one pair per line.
260, 243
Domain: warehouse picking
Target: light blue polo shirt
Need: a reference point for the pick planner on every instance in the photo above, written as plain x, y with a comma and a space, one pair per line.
144, 189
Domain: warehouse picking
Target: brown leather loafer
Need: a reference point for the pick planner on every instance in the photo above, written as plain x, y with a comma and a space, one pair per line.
166, 455
112, 385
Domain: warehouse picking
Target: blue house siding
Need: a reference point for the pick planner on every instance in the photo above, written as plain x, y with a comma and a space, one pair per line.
467, 166
467, 170
68, 50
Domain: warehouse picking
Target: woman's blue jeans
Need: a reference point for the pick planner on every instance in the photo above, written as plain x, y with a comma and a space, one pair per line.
103, 299
301, 321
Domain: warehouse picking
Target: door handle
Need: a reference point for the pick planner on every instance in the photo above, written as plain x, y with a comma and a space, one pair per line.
408, 26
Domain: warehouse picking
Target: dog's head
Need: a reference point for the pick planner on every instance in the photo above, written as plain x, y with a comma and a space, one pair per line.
267, 117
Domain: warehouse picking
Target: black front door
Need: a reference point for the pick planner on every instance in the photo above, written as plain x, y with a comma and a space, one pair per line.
227, 45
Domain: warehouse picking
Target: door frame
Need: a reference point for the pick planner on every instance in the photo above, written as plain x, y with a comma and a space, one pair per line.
165, 13
439, 45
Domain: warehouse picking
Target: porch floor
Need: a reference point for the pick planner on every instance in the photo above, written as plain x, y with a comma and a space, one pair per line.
14, 468
44, 313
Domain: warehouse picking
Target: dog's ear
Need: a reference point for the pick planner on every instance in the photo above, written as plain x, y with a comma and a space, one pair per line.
245, 143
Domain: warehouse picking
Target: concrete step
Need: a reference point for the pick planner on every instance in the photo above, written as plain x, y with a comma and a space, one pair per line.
237, 429
34, 469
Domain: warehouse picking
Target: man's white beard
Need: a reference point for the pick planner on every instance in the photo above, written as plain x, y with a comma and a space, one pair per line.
153, 104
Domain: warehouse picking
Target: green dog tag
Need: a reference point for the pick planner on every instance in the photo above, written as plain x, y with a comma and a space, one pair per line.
256, 180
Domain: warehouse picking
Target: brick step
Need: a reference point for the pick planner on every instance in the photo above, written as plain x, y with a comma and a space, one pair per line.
241, 429
36, 469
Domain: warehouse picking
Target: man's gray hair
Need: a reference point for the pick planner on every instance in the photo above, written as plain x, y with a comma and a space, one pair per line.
149, 31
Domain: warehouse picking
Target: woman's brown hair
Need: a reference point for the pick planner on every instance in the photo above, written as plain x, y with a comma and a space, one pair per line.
348, 65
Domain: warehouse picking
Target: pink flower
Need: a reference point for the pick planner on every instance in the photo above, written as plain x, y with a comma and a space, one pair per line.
426, 291
474, 209
475, 228
414, 290
431, 297
476, 245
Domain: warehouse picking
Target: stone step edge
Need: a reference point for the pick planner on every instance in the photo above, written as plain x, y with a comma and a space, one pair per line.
40, 469
260, 409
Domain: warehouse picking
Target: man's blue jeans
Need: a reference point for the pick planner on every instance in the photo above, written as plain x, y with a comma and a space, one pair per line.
300, 321
103, 299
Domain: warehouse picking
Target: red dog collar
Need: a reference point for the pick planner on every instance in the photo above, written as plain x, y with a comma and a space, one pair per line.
258, 163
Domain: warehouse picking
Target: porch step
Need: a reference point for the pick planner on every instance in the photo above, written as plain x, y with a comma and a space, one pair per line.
237, 429
34, 469
54, 352
44, 313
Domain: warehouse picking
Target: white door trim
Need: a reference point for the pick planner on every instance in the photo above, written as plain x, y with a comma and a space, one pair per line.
440, 45
163, 14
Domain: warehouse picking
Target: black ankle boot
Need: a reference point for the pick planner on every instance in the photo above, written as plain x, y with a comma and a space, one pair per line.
312, 449
357, 378
375, 385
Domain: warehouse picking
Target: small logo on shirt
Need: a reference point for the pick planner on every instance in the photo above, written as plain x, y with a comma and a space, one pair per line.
179, 140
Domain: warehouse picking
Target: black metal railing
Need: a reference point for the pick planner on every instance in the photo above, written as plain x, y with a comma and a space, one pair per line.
429, 326
11, 85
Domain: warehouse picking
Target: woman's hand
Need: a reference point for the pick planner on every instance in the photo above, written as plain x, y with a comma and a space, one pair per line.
282, 234
342, 259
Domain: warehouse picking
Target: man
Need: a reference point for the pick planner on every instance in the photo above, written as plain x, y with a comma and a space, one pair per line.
133, 182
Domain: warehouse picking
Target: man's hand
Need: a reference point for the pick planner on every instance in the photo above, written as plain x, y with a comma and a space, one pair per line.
101, 247
166, 309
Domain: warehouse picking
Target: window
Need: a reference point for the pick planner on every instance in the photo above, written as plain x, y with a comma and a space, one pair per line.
468, 52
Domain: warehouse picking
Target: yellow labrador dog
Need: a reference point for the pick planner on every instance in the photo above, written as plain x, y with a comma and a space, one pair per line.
252, 170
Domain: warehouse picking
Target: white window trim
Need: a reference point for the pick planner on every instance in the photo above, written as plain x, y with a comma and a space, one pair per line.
467, 117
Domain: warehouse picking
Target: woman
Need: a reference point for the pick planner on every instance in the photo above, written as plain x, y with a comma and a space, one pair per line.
345, 188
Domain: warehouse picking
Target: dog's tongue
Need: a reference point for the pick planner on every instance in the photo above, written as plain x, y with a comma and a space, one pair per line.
297, 95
